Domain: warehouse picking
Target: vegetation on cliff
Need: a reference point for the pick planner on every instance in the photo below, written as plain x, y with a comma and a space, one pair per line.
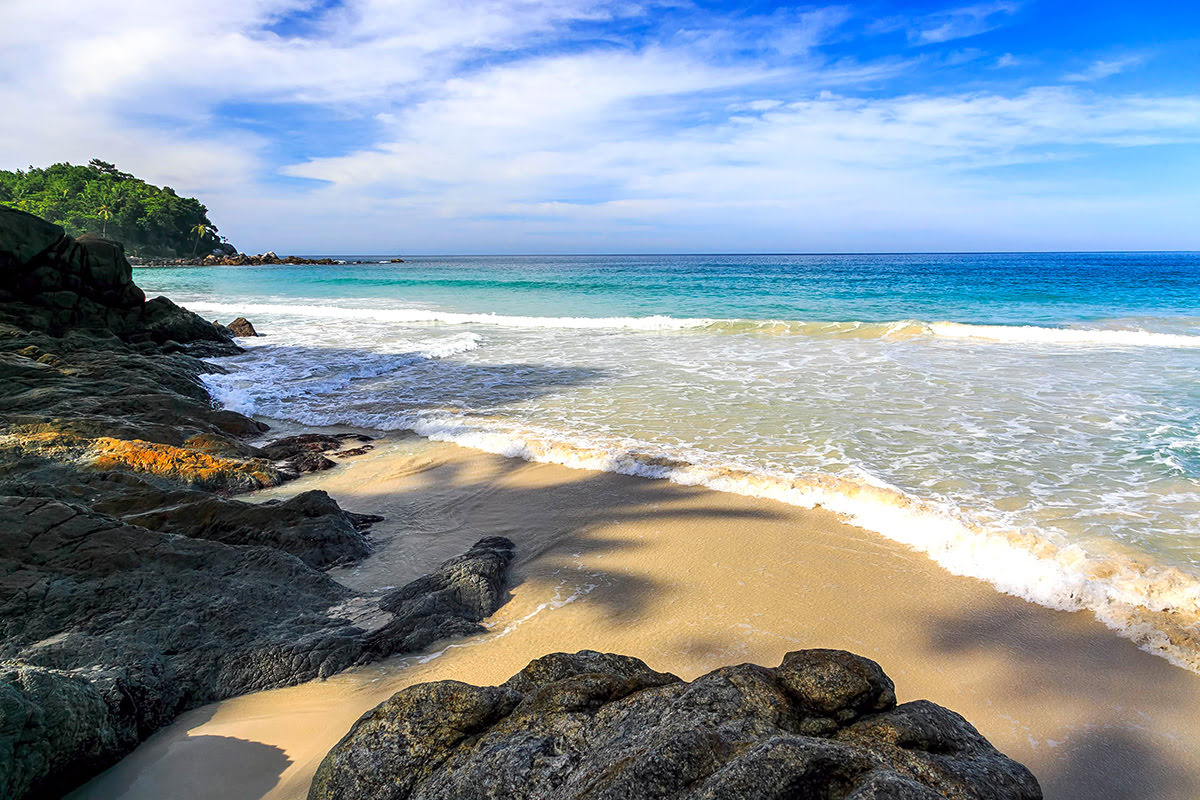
100, 199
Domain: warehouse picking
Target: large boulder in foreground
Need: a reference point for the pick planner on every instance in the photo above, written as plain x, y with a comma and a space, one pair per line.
824, 724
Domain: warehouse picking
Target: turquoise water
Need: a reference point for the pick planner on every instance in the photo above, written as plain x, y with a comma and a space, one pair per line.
1031, 420
1046, 289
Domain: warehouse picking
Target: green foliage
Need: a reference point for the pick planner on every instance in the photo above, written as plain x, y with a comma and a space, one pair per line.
102, 200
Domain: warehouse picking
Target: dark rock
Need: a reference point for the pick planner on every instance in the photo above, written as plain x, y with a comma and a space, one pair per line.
162, 320
825, 724
242, 327
303, 453
310, 526
52, 283
233, 259
449, 602
108, 630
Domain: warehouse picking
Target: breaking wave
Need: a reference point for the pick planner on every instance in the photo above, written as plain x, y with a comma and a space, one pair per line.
898, 330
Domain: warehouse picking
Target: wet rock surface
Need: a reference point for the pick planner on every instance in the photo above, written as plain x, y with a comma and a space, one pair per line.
824, 724
133, 586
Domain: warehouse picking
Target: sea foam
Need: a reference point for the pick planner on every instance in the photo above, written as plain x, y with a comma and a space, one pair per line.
898, 329
1156, 607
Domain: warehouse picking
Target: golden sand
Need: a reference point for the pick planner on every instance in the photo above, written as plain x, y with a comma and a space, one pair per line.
689, 579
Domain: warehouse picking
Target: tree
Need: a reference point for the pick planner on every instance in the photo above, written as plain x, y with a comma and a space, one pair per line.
100, 198
201, 230
106, 215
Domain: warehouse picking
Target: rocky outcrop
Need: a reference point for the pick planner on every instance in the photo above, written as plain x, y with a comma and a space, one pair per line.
823, 724
132, 585
51, 282
236, 259
110, 629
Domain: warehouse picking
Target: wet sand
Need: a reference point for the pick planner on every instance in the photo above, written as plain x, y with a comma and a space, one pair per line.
689, 579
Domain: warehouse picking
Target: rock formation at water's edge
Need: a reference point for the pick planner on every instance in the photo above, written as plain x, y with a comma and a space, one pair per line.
133, 584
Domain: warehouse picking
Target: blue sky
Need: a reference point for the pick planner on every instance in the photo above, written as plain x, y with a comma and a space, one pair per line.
411, 126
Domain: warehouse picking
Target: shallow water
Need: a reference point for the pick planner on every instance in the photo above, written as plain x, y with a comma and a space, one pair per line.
1033, 420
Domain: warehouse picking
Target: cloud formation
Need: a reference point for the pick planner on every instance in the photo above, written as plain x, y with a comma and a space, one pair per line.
569, 125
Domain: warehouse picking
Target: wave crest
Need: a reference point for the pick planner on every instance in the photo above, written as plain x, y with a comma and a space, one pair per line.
895, 330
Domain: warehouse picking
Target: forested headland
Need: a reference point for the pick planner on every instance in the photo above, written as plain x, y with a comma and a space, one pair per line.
100, 199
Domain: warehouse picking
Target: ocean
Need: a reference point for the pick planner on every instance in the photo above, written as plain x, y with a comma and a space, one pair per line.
1032, 420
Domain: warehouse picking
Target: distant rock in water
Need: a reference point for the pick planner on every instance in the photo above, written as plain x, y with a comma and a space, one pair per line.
824, 724
242, 327
236, 259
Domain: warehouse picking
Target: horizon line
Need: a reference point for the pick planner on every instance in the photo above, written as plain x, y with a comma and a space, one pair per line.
780, 253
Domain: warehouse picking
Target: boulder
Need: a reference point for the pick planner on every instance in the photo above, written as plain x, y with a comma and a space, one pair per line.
310, 526
303, 453
24, 237
824, 724
242, 327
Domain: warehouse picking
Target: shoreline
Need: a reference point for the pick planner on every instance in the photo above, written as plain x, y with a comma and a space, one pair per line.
662, 572
134, 585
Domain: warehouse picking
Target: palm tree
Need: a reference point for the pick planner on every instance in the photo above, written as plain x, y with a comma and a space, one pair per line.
201, 230
105, 214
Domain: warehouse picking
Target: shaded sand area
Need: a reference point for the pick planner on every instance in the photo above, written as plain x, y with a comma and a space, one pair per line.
689, 579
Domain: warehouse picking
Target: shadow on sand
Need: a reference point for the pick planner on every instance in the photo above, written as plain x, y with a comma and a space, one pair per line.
1064, 656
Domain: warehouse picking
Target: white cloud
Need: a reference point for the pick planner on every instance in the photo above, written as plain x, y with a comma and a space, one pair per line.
492, 135
506, 146
1105, 68
959, 23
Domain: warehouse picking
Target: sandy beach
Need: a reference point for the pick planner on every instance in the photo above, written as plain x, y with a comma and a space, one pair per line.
689, 579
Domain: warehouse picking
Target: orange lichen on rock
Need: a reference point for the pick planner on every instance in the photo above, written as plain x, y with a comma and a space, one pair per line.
182, 464
212, 444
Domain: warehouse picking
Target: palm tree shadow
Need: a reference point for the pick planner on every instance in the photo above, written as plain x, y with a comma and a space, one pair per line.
557, 524
1065, 655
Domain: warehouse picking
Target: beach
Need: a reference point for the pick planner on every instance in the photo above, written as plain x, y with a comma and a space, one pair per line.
688, 579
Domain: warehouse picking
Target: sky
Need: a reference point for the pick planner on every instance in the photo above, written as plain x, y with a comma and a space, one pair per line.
598, 126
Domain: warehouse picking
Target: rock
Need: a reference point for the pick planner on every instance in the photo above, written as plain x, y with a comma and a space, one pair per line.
108, 630
162, 320
25, 237
51, 283
242, 327
310, 526
449, 602
232, 258
302, 453
131, 586
824, 724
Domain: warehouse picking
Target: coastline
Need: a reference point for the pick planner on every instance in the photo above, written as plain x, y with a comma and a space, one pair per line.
688, 579
134, 585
